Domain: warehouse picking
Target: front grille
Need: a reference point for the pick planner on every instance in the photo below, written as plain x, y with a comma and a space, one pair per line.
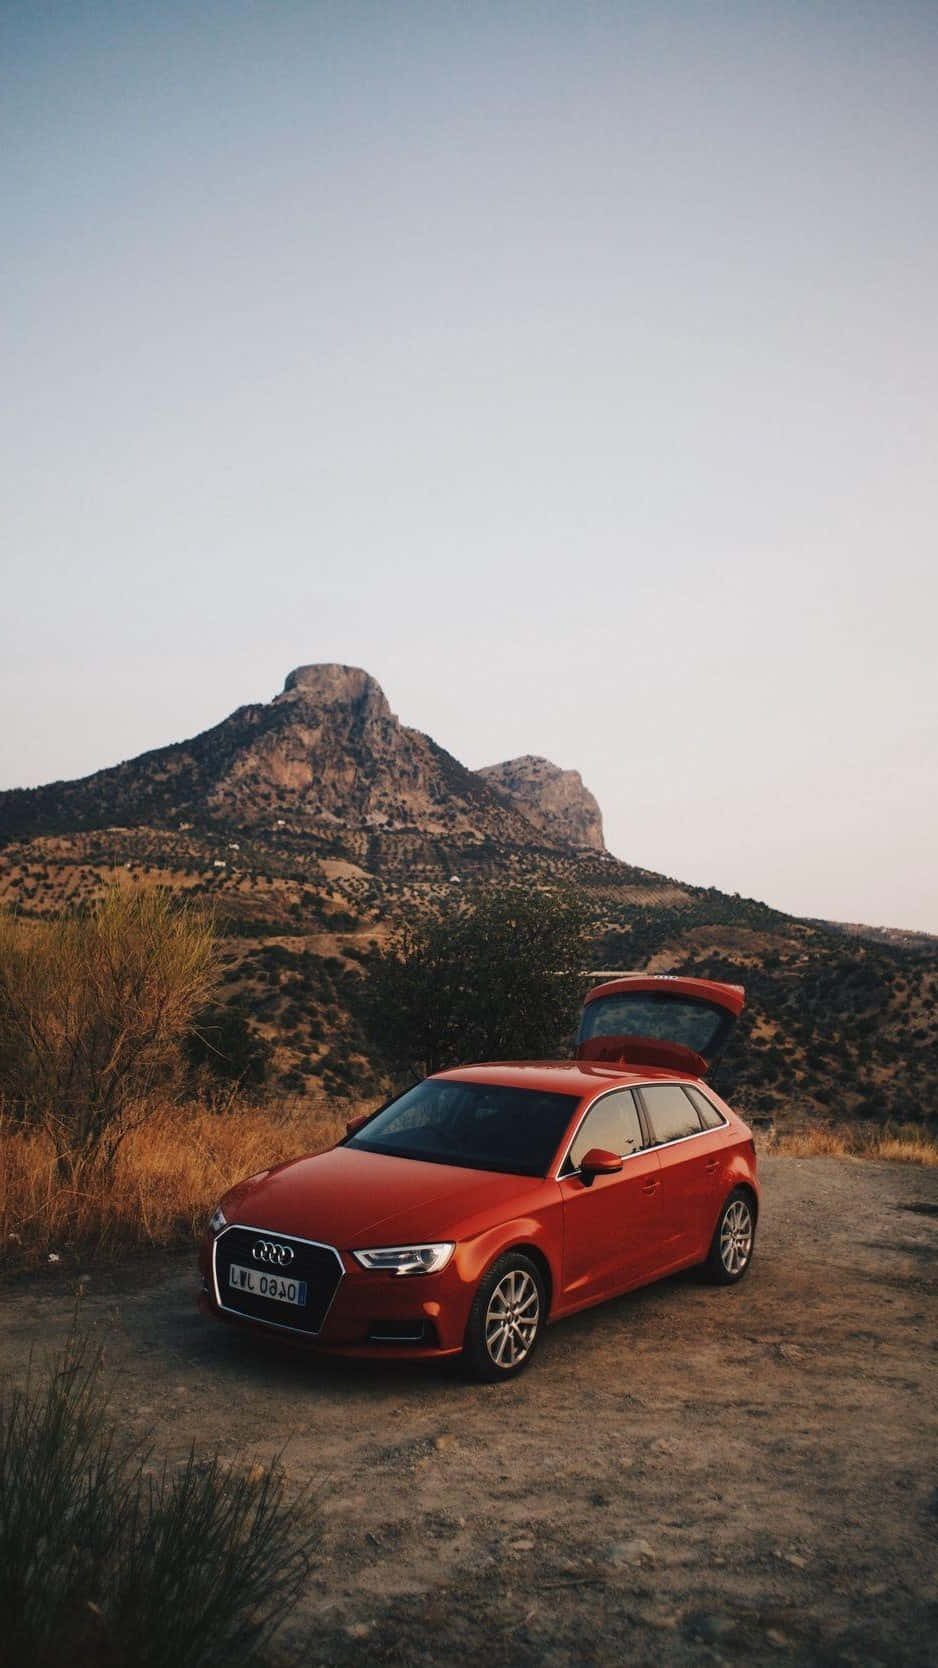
318, 1265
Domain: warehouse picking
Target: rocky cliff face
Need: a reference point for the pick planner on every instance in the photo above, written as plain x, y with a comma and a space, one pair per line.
554, 800
330, 750
327, 754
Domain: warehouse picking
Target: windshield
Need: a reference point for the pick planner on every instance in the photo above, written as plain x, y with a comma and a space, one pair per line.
483, 1126
694, 1024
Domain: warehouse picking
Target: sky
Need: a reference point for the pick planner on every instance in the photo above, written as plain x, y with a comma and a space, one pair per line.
570, 367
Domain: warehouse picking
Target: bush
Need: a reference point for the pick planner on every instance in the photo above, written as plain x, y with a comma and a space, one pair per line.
93, 1008
105, 1565
497, 975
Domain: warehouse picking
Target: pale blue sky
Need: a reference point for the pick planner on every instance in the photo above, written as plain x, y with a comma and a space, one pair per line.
571, 367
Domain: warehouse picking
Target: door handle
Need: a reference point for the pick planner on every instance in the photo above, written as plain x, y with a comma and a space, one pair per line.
712, 1164
649, 1186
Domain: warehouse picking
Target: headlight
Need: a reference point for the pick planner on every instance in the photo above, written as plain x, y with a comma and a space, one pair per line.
217, 1221
407, 1259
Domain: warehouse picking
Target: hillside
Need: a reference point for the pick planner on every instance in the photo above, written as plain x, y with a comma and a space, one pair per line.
315, 822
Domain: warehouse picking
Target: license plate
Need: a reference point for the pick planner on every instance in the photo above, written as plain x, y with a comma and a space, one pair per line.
278, 1286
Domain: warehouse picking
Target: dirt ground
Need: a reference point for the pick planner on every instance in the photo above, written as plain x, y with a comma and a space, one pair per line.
687, 1475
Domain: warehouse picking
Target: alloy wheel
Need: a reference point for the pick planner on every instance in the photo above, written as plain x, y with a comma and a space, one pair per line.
511, 1318
736, 1237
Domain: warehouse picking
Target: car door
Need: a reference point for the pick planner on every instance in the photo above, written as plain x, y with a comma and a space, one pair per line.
612, 1224
691, 1159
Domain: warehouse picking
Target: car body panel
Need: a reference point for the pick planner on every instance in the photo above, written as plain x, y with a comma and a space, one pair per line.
690, 1183
611, 1231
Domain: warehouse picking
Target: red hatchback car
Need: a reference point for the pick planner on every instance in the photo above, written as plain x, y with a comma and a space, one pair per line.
489, 1200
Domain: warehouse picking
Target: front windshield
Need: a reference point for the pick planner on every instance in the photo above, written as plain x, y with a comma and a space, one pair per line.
483, 1126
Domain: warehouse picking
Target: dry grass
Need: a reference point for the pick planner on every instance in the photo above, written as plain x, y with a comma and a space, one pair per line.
906, 1144
170, 1172
168, 1175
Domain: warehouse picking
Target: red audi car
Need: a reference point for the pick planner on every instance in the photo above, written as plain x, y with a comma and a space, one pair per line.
489, 1200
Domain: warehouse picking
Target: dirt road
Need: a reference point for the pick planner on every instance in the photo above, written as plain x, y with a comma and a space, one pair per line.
688, 1475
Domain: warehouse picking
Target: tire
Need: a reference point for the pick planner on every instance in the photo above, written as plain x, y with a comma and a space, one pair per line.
733, 1239
506, 1319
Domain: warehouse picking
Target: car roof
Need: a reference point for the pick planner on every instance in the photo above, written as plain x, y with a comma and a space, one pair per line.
559, 1077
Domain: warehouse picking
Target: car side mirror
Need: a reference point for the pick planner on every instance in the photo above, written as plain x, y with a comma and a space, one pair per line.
357, 1123
598, 1162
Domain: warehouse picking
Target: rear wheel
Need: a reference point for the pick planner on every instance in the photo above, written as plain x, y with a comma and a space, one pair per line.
505, 1320
733, 1239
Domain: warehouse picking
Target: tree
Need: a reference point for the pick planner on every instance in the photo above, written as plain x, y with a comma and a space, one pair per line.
497, 975
223, 1043
93, 1007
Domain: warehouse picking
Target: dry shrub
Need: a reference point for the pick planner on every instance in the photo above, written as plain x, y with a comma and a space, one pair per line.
914, 1148
93, 1009
166, 1177
906, 1144
808, 1143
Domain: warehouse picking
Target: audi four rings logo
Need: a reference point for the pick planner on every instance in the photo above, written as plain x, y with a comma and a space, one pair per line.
268, 1251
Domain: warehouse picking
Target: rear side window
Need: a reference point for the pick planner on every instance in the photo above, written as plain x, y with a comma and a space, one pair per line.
671, 1113
612, 1123
709, 1116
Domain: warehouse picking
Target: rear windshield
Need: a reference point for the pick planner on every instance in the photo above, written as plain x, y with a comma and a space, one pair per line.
694, 1024
482, 1126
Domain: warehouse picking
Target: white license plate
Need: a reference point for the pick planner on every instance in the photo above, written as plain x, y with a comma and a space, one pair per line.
278, 1286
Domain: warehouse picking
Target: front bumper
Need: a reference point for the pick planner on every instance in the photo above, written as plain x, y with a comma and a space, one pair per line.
370, 1314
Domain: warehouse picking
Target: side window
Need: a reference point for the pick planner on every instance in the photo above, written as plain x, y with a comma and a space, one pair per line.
672, 1114
709, 1116
612, 1123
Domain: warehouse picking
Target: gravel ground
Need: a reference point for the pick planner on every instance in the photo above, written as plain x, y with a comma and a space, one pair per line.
686, 1475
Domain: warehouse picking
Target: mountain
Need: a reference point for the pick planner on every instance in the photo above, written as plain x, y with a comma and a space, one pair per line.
327, 753
316, 823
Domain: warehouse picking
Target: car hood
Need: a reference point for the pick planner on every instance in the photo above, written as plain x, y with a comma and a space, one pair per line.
349, 1197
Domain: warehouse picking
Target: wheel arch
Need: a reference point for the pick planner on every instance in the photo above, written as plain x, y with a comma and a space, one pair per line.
737, 1184
741, 1185
525, 1248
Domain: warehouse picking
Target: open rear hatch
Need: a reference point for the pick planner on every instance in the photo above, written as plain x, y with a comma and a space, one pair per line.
658, 1019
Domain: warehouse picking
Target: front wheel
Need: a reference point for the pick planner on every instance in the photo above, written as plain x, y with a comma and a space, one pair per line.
505, 1320
733, 1239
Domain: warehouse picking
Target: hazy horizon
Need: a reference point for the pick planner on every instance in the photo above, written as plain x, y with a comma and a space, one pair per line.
573, 371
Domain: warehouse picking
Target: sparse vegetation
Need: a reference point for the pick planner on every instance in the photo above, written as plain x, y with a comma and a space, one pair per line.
106, 1562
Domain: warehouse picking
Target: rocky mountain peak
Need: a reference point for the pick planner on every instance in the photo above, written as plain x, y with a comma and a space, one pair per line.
329, 685
554, 800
